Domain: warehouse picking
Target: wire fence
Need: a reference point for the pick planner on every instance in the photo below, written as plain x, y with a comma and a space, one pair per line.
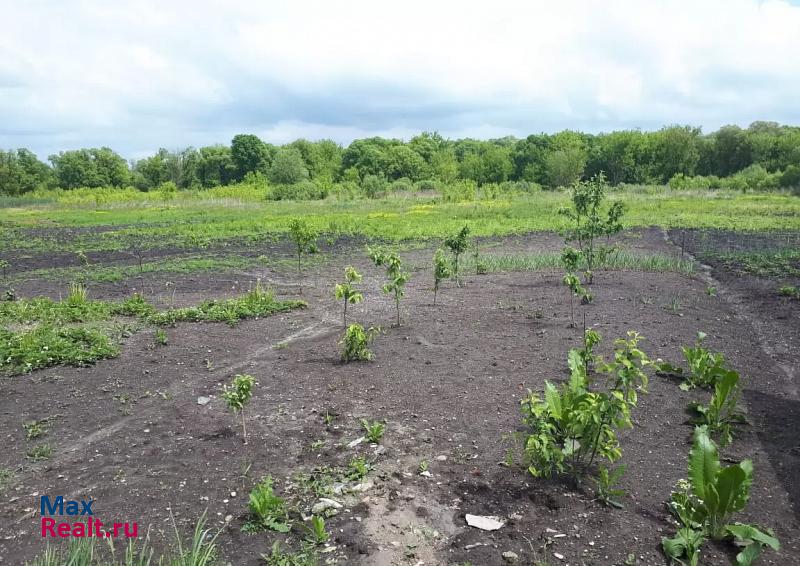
705, 242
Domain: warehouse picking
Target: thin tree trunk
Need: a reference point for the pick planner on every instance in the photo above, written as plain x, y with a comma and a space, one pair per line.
435, 290
344, 318
244, 427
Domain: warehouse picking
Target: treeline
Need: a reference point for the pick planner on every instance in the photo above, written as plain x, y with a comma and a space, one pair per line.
763, 156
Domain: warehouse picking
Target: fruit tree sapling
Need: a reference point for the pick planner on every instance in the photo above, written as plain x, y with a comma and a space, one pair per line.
346, 291
457, 244
238, 394
304, 237
441, 271
395, 275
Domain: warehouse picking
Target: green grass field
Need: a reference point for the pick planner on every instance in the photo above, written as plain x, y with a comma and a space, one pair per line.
119, 220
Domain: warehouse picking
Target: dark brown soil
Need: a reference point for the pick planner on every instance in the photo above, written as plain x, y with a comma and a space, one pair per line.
448, 382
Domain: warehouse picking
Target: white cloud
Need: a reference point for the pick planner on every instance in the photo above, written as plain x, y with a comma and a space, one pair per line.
144, 74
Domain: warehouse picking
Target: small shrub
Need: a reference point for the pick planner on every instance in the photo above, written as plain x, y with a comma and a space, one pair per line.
571, 427
238, 394
355, 343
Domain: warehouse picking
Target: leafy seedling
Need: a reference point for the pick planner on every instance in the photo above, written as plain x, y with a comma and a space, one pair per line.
34, 429
722, 411
267, 510
238, 394
373, 430
316, 532
160, 337
607, 493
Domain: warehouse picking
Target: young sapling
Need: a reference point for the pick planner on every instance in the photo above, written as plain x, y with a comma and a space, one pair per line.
441, 271
395, 275
238, 394
304, 238
346, 291
587, 199
457, 244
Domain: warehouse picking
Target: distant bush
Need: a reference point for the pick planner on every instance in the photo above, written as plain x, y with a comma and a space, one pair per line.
403, 184
303, 190
346, 190
373, 185
464, 190
791, 177
427, 185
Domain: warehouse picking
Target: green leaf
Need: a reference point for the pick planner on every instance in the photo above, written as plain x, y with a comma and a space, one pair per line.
748, 555
745, 534
553, 399
673, 547
729, 485
703, 463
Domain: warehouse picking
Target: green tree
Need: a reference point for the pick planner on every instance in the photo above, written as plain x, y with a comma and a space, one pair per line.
287, 167
675, 150
564, 167
249, 155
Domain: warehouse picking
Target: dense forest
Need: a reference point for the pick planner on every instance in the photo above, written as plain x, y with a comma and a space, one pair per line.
763, 156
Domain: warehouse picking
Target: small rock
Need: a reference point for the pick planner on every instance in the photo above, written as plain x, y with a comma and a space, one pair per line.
203, 400
362, 487
325, 504
441, 458
356, 442
476, 545
559, 556
484, 523
228, 518
510, 557
380, 450
426, 474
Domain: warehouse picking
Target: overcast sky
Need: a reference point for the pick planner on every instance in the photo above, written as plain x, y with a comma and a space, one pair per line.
138, 75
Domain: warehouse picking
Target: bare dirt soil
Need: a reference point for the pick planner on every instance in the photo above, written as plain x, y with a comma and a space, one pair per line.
130, 433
